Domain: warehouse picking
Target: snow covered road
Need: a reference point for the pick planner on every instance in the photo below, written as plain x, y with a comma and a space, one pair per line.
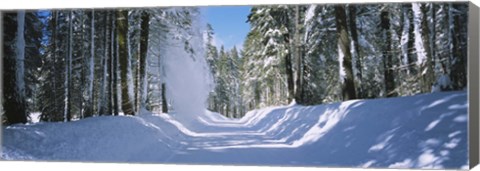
423, 131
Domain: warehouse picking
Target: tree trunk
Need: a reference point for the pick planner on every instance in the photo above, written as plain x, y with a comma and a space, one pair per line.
348, 86
83, 73
122, 35
387, 55
426, 67
56, 114
429, 77
68, 70
353, 30
114, 67
458, 73
136, 83
411, 40
444, 59
143, 59
288, 62
433, 35
110, 67
89, 103
289, 72
13, 89
164, 99
299, 53
103, 95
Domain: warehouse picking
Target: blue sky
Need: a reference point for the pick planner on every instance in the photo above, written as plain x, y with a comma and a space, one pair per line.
229, 24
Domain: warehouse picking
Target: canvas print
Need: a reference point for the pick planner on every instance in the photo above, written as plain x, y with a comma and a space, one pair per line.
381, 85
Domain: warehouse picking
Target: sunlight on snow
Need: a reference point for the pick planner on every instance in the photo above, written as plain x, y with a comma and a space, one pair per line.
432, 125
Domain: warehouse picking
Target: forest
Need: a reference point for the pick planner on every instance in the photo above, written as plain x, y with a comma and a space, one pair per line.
70, 64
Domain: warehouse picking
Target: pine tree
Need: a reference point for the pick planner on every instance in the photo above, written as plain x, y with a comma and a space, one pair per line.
271, 26
235, 63
280, 20
221, 87
250, 70
320, 62
212, 58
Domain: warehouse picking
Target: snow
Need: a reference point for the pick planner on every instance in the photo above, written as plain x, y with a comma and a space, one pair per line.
453, 134
368, 164
380, 146
452, 144
427, 160
342, 72
293, 103
443, 83
460, 119
435, 88
407, 163
404, 38
419, 46
359, 133
310, 13
187, 77
432, 125
34, 117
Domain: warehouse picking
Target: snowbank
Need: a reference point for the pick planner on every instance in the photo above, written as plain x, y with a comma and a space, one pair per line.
423, 131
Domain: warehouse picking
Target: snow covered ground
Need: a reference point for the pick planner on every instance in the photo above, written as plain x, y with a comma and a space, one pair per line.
423, 131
